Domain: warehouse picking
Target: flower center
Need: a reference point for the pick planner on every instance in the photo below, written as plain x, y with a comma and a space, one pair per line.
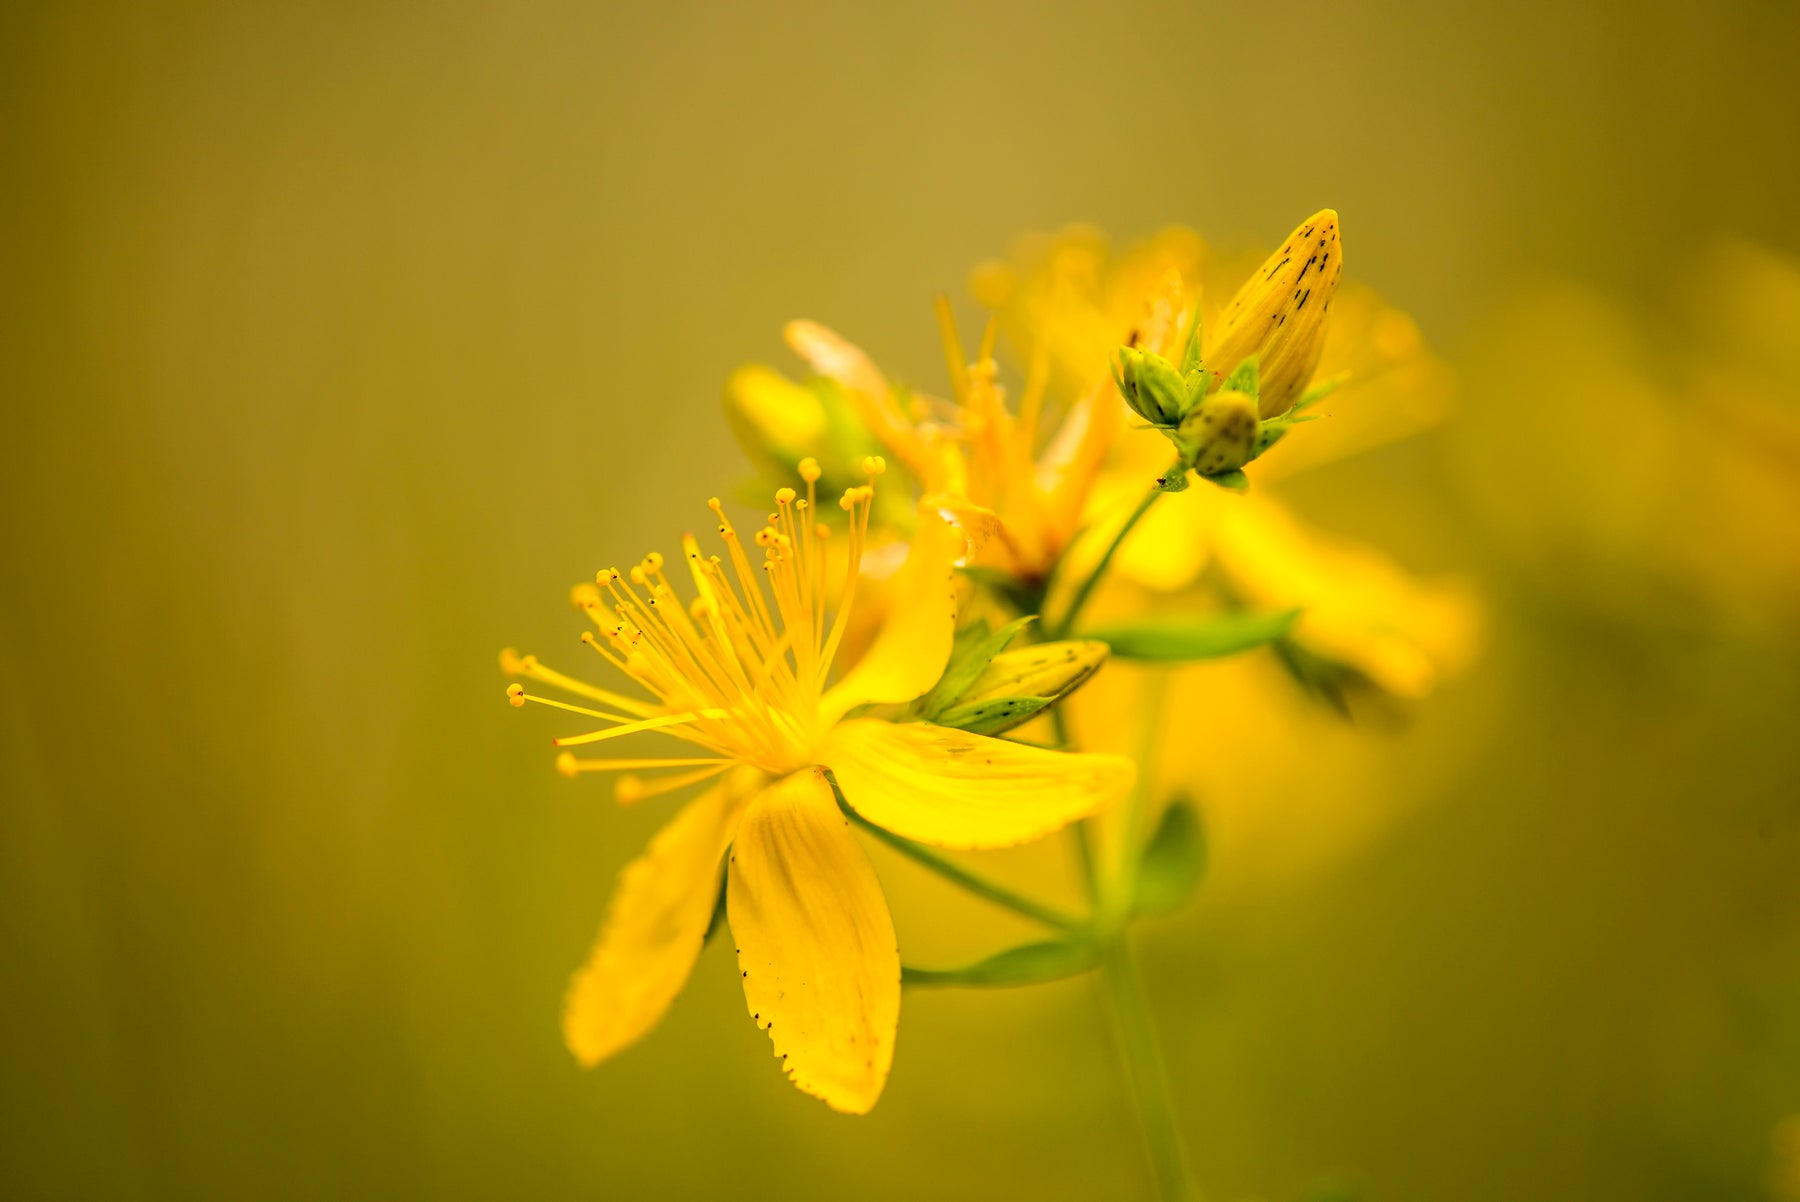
738, 670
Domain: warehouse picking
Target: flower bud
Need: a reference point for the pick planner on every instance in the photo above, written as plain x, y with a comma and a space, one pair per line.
1279, 314
1220, 435
1152, 387
1047, 670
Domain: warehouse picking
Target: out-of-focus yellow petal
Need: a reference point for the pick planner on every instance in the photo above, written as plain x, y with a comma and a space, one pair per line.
837, 358
1395, 387
815, 943
772, 415
654, 927
909, 653
954, 789
1357, 606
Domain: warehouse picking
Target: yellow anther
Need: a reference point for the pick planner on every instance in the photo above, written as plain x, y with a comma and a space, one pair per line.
873, 465
809, 470
628, 789
735, 669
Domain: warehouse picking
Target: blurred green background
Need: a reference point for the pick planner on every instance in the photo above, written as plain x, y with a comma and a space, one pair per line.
338, 340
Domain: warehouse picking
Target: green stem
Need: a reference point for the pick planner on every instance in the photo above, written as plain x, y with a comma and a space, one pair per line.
1018, 903
1079, 836
1080, 600
1148, 1078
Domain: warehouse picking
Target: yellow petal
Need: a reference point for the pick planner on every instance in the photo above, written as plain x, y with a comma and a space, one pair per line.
654, 927
909, 653
1279, 315
771, 414
836, 358
951, 788
815, 943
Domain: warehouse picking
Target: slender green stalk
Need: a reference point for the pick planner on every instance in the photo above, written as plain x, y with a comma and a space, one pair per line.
1148, 1078
1078, 831
1080, 600
1000, 895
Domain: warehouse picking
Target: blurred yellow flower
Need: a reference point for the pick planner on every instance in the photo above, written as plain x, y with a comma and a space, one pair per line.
1359, 610
1648, 470
1015, 481
741, 677
1285, 784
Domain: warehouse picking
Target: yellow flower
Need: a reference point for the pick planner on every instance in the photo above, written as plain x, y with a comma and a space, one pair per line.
1256, 749
740, 675
1360, 610
1650, 477
1015, 481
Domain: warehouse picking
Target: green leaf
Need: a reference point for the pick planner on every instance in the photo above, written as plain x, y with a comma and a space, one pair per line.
974, 650
993, 716
1173, 862
1231, 481
1030, 964
1175, 640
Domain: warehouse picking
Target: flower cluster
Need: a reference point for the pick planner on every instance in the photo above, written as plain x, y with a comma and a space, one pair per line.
811, 688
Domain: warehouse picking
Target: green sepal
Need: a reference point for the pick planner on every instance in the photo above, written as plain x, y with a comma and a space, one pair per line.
1232, 481
1269, 433
1030, 964
1242, 379
974, 649
992, 717
1190, 350
1272, 430
1023, 596
1172, 863
1175, 479
1178, 640
717, 921
1318, 392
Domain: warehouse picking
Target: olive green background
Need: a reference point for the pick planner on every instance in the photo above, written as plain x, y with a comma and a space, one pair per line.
337, 340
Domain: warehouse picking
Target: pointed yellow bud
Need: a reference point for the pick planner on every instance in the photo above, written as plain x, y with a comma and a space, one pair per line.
1047, 670
771, 415
1279, 314
1220, 435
